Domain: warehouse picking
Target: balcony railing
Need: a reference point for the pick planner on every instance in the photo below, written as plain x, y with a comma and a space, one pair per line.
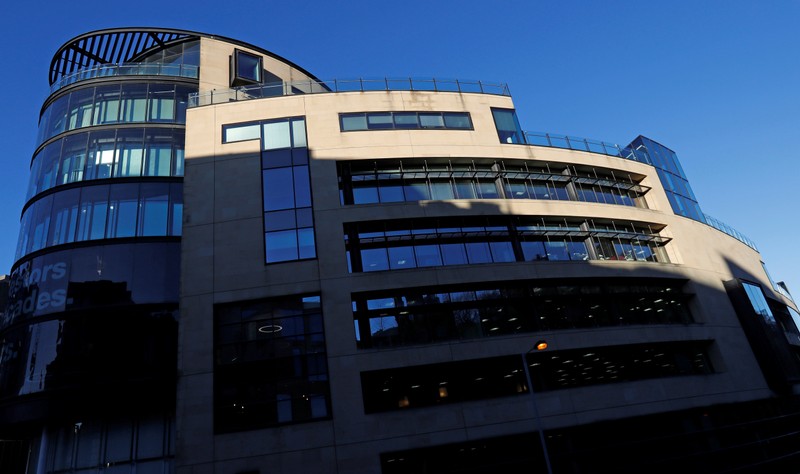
723, 227
584, 144
612, 149
131, 69
278, 89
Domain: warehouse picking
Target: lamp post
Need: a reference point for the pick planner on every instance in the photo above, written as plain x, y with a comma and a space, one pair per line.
540, 346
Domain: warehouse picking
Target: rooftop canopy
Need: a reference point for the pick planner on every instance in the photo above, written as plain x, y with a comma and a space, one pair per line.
125, 45
113, 46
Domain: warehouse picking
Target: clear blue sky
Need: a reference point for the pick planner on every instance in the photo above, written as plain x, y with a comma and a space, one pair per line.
717, 81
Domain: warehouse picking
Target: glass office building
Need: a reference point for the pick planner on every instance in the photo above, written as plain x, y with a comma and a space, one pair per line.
229, 265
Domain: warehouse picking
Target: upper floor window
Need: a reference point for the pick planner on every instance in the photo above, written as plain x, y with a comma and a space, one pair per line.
101, 154
430, 242
115, 103
405, 121
270, 364
383, 181
241, 132
101, 212
246, 68
508, 129
424, 315
288, 214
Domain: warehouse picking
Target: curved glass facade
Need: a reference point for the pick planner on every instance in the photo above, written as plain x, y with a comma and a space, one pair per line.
92, 316
102, 212
114, 103
79, 318
101, 154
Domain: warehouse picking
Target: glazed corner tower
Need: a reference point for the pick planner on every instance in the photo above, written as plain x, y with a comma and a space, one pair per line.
363, 269
88, 359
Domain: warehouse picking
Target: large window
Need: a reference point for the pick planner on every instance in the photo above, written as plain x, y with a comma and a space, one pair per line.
103, 154
400, 244
365, 182
241, 132
146, 443
508, 128
120, 103
581, 367
286, 186
246, 68
108, 274
477, 379
102, 212
426, 315
288, 217
270, 363
405, 121
759, 302
673, 179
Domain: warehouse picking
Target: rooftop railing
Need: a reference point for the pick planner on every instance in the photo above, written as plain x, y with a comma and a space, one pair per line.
584, 144
723, 227
131, 69
612, 149
220, 96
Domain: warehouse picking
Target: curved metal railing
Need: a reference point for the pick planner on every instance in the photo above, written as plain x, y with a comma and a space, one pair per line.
628, 153
277, 89
129, 69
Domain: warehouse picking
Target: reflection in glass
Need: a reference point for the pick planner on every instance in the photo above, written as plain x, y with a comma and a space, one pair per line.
278, 189
759, 303
134, 103
277, 135
64, 217
248, 67
286, 186
453, 241
373, 260
92, 214
128, 156
100, 157
266, 376
106, 107
73, 158
155, 210
305, 241
405, 121
508, 128
122, 211
281, 245
161, 98
401, 257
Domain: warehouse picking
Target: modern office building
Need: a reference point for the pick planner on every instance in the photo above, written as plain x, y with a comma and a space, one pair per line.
227, 265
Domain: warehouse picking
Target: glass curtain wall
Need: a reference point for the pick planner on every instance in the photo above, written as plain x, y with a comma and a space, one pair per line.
402, 244
414, 180
115, 103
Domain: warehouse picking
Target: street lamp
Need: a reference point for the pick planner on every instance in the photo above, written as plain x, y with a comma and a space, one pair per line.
539, 346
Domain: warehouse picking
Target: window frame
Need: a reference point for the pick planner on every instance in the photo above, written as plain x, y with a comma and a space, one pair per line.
239, 80
405, 126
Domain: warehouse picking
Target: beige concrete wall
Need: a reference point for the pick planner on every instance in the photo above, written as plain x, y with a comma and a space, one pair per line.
215, 65
223, 261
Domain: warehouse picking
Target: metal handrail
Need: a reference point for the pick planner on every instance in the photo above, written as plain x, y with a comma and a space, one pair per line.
279, 89
725, 228
128, 69
628, 153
